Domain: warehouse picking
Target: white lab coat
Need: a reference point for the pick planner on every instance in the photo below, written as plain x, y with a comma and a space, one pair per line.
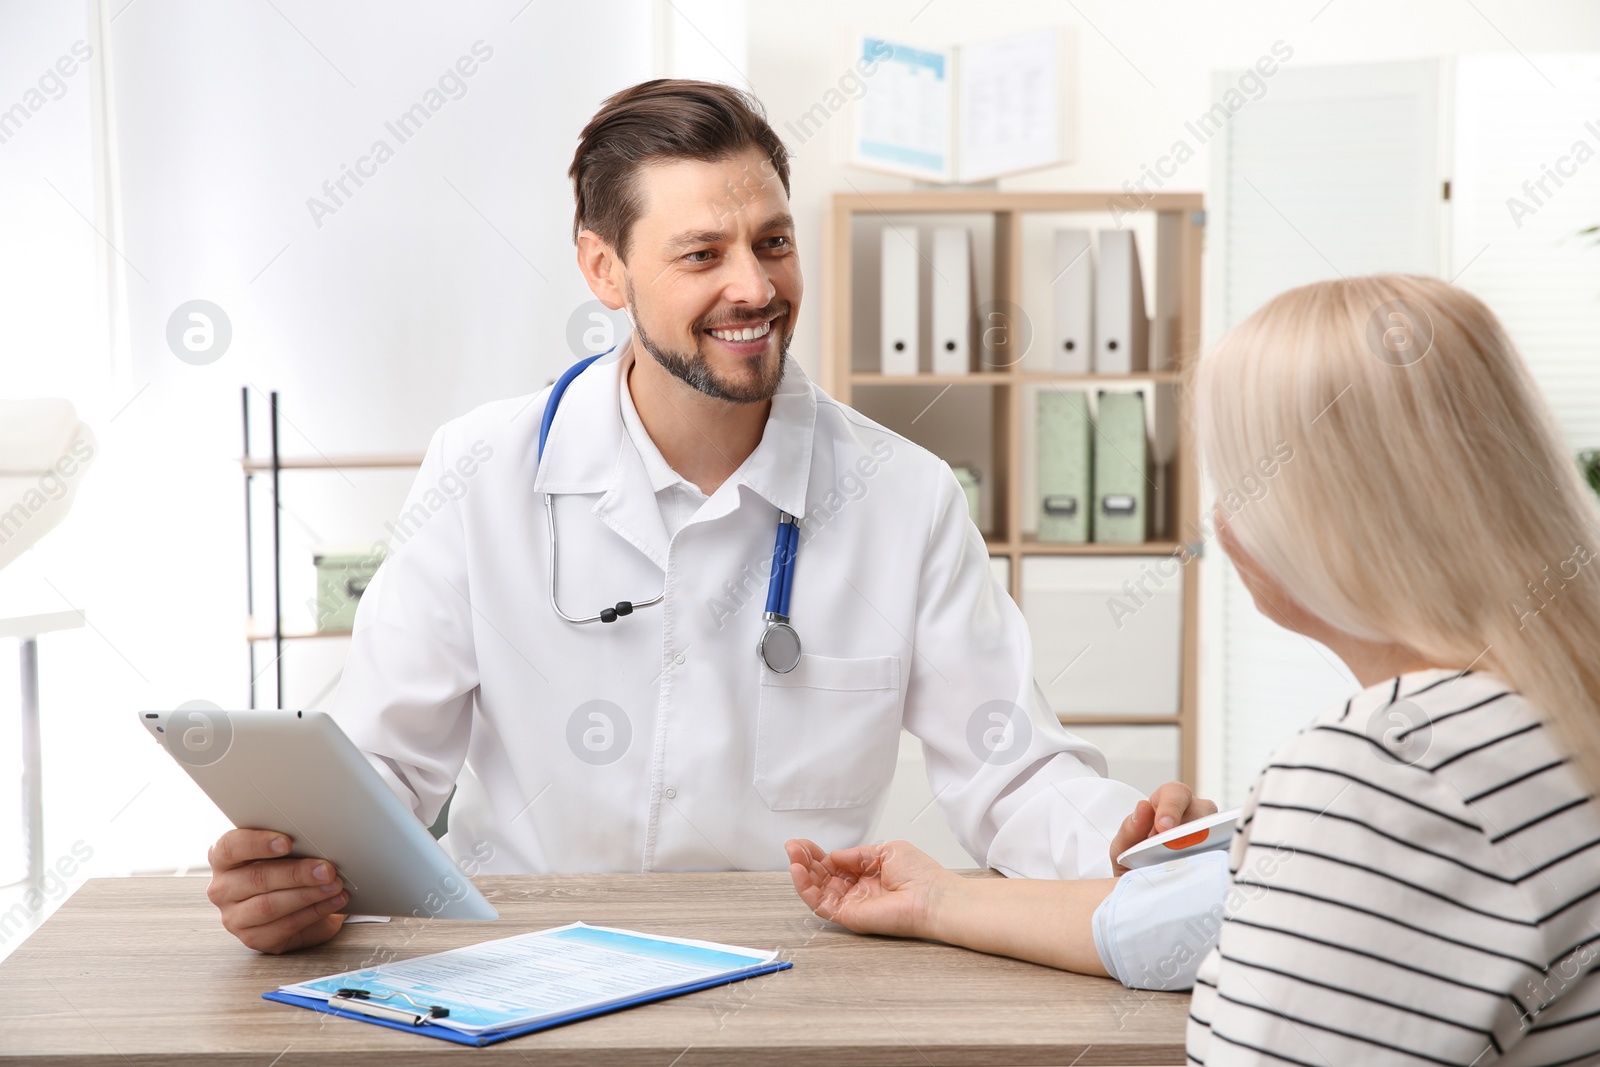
661, 741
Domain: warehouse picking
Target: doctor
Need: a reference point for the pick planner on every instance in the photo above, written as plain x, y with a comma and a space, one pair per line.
680, 613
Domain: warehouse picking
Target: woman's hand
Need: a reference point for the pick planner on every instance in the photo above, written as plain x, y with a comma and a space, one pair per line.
892, 889
899, 890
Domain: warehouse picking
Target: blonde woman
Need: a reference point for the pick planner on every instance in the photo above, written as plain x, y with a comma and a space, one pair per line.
1417, 876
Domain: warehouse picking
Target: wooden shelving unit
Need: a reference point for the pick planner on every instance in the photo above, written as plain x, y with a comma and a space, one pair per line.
261, 464
1180, 235
272, 465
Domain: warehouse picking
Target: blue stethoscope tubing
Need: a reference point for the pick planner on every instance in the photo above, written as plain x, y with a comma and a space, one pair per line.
779, 646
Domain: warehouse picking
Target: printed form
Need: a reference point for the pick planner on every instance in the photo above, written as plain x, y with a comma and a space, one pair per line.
552, 973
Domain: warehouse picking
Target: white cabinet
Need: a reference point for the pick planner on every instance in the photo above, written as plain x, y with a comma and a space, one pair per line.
1107, 632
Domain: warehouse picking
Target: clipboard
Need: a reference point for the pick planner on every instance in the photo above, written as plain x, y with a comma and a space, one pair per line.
444, 1033
350, 1001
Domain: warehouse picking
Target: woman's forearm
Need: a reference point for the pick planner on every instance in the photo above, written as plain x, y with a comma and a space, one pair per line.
1040, 920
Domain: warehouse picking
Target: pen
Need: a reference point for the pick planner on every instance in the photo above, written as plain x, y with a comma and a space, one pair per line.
360, 1001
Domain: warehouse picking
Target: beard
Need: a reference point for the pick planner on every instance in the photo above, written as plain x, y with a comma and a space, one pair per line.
694, 368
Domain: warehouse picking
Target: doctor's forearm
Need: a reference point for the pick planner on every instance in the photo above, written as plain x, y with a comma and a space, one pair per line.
1041, 920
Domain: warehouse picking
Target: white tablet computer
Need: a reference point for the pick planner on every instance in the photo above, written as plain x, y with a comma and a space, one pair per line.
296, 772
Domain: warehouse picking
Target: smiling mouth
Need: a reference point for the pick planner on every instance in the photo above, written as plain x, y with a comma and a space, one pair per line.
743, 333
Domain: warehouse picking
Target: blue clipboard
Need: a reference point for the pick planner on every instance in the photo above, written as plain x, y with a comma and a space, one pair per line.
489, 1037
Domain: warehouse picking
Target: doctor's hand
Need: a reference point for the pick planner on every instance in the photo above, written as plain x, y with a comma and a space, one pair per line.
270, 902
1169, 806
873, 889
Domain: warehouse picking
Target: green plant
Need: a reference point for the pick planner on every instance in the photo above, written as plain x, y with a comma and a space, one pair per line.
1589, 463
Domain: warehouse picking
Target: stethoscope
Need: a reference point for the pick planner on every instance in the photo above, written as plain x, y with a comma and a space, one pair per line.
779, 647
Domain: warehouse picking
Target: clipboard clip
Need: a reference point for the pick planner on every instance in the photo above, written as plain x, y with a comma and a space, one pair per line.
360, 1001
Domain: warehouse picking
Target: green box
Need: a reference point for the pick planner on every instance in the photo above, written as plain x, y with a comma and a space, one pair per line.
1066, 480
342, 576
1121, 471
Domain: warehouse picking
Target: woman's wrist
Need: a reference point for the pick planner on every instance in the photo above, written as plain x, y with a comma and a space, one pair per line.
948, 905
1046, 921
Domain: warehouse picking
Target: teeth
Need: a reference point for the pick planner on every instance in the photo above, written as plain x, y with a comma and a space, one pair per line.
748, 333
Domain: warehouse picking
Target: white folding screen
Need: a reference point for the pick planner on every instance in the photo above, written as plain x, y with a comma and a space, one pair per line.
1336, 171
1341, 170
1527, 132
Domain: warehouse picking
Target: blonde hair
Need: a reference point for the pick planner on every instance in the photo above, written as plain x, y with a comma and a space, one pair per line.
1431, 501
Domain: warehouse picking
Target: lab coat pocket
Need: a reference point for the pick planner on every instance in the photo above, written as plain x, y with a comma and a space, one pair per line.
827, 732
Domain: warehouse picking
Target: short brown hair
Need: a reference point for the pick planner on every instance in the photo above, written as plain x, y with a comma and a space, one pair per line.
654, 121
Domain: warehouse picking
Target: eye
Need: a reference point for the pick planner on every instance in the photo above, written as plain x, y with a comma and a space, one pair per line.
778, 244
702, 252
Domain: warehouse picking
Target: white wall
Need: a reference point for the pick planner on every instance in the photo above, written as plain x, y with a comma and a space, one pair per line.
50, 328
445, 281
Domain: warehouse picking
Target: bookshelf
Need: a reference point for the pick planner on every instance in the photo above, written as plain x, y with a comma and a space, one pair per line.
1179, 222
271, 466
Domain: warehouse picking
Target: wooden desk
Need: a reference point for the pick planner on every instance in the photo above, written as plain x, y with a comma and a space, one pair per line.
139, 971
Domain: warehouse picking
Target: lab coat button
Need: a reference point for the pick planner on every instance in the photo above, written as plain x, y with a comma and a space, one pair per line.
678, 659
671, 793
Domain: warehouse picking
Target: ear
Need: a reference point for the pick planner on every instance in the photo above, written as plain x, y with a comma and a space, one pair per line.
1271, 598
1255, 580
602, 269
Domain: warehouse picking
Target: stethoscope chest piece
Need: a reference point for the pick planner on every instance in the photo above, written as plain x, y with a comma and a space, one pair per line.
780, 647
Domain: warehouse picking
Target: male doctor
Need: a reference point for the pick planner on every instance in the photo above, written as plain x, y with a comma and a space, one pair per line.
594, 690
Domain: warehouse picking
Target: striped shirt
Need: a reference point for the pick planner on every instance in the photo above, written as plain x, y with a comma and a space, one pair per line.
1416, 881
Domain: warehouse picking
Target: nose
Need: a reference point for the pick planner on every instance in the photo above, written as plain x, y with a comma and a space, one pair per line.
747, 281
